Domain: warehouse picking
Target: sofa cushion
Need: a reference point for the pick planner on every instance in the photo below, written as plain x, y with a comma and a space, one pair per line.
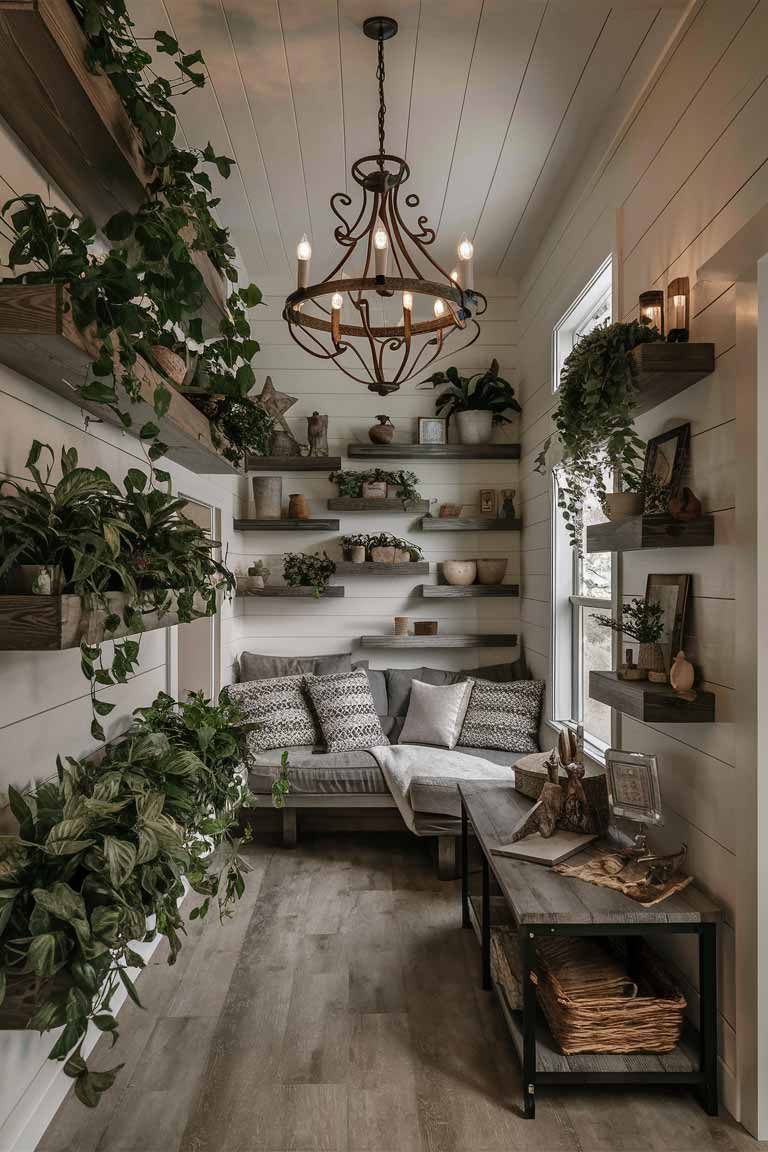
504, 716
399, 680
346, 711
436, 713
254, 666
326, 773
440, 795
276, 712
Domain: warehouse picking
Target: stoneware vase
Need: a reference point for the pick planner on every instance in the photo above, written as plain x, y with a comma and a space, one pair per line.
383, 432
682, 675
622, 505
491, 571
298, 509
402, 556
357, 554
401, 625
382, 554
267, 497
651, 658
474, 427
460, 573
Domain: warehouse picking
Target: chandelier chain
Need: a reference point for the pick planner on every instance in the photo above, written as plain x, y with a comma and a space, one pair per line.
382, 106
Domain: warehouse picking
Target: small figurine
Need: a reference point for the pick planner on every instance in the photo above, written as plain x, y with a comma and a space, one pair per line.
681, 676
683, 505
317, 434
276, 404
383, 432
507, 503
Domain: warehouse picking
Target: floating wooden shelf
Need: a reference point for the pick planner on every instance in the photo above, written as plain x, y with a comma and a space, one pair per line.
639, 532
371, 568
292, 463
38, 338
652, 703
449, 591
470, 524
55, 623
73, 121
663, 370
333, 592
369, 504
286, 525
503, 640
433, 451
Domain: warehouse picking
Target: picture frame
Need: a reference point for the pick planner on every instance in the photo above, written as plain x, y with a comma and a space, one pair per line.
634, 792
671, 591
488, 502
666, 459
432, 430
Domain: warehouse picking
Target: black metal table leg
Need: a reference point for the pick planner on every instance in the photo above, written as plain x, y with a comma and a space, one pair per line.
708, 1016
485, 933
465, 920
529, 971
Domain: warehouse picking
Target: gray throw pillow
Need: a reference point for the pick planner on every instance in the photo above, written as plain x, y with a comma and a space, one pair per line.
346, 711
276, 712
436, 713
254, 666
504, 716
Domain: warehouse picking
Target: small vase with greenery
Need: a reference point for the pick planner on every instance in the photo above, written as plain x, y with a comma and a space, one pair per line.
350, 482
304, 570
643, 621
485, 392
594, 417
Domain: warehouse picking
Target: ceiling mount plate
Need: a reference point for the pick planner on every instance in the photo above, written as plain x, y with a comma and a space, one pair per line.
380, 27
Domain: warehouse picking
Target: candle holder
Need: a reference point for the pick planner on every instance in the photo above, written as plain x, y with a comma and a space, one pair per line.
678, 310
652, 309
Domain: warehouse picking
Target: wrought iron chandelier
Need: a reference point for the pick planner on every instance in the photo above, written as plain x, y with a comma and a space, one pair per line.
388, 355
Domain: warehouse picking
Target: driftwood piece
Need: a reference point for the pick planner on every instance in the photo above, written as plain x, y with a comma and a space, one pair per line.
544, 815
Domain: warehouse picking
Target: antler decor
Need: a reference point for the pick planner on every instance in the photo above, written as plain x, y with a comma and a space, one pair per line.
390, 354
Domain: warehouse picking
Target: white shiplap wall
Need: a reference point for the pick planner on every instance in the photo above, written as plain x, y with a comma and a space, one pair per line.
685, 172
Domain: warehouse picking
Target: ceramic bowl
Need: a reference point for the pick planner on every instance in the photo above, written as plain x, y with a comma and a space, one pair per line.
459, 572
491, 571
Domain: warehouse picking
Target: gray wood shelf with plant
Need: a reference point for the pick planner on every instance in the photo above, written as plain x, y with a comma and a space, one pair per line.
663, 370
380, 568
651, 703
433, 451
286, 525
285, 464
370, 504
658, 531
457, 591
333, 592
475, 640
470, 524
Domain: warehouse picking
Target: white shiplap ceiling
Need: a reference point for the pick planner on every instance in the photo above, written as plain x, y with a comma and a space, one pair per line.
492, 102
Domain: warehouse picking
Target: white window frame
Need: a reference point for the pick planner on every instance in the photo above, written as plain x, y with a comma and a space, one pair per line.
592, 304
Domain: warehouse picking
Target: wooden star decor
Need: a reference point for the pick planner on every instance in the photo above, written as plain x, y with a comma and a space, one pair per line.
276, 404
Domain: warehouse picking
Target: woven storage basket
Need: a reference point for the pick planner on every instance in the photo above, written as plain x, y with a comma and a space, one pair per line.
591, 1005
505, 964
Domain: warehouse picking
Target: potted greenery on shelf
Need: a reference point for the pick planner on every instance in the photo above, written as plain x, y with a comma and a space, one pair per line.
402, 482
303, 570
101, 860
594, 425
478, 402
643, 621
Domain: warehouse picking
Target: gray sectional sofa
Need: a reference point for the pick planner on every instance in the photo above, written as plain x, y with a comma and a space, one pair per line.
354, 780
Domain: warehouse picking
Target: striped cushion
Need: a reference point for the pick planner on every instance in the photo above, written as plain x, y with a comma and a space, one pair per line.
276, 712
346, 711
504, 716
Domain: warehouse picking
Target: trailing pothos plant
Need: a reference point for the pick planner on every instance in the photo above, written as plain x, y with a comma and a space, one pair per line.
594, 420
101, 539
102, 848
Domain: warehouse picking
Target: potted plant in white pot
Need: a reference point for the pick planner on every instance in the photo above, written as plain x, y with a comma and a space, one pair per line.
478, 402
595, 439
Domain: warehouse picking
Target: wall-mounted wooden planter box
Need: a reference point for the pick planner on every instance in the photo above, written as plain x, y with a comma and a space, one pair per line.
639, 532
456, 591
466, 641
332, 592
433, 451
470, 524
292, 463
367, 504
371, 568
664, 369
38, 339
54, 623
73, 122
652, 703
286, 525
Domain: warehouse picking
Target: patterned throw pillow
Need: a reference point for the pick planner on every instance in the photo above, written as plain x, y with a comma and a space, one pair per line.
346, 711
276, 712
503, 716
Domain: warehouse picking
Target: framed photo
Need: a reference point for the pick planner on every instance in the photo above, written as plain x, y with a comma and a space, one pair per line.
671, 591
633, 786
432, 430
666, 458
487, 501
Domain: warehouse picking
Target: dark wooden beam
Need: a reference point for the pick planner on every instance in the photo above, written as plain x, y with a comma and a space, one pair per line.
663, 370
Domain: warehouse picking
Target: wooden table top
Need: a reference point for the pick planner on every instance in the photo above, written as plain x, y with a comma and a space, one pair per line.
538, 895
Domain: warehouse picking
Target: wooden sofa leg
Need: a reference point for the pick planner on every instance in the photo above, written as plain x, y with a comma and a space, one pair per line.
290, 827
448, 867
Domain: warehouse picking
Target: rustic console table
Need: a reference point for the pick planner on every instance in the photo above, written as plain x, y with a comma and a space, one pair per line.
543, 903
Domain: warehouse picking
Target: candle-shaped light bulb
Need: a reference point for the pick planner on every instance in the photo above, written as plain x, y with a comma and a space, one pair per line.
380, 246
303, 255
407, 301
466, 251
439, 308
337, 301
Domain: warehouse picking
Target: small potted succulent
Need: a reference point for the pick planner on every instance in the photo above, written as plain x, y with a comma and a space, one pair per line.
304, 570
382, 548
478, 402
643, 621
258, 574
355, 547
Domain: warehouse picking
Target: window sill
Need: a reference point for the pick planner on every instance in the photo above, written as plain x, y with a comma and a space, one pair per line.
594, 751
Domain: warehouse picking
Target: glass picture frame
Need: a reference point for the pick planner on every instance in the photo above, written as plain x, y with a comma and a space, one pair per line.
634, 792
432, 430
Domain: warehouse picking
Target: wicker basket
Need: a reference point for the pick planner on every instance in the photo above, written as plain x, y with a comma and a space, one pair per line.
591, 1004
505, 964
23, 996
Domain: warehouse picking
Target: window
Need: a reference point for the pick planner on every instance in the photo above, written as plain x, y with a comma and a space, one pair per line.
582, 586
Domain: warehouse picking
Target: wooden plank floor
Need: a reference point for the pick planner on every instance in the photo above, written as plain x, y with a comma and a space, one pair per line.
340, 1011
